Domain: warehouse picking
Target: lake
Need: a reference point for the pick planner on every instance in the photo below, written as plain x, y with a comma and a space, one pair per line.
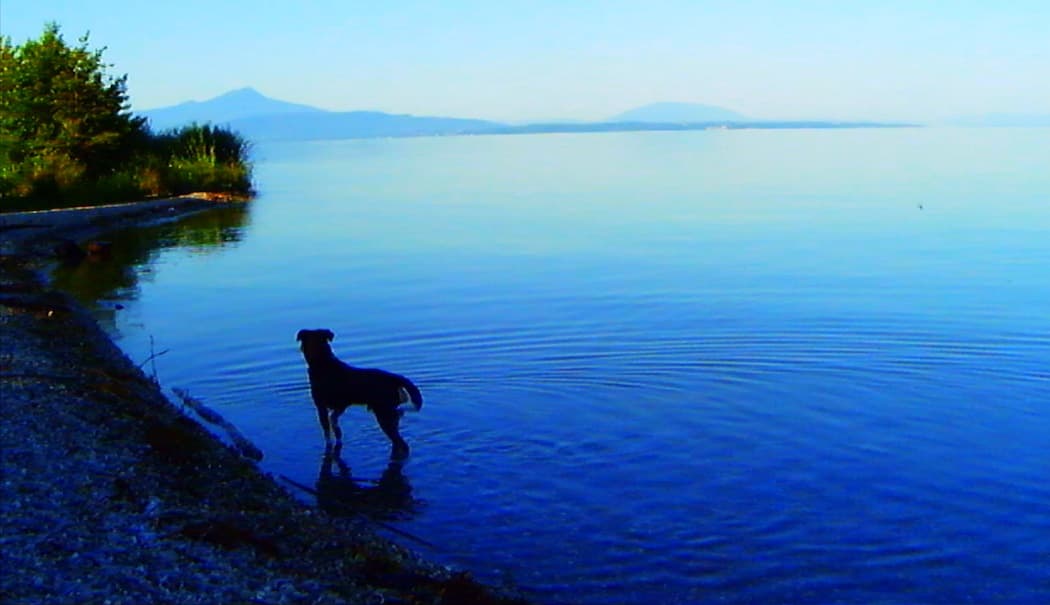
766, 366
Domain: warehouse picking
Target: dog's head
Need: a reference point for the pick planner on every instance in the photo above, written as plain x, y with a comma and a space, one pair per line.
314, 344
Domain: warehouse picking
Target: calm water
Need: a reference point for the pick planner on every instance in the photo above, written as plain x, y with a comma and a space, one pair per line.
732, 367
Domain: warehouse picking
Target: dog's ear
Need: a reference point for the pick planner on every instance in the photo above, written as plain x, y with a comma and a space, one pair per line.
329, 335
299, 335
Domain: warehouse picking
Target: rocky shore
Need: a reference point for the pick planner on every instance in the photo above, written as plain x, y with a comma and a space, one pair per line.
109, 493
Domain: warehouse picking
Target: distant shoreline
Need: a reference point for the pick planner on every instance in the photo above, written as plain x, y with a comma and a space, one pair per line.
261, 118
313, 128
554, 128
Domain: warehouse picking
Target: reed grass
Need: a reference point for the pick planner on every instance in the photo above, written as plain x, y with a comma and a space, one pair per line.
198, 158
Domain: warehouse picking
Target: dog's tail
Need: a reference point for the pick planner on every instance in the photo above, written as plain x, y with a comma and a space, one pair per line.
410, 393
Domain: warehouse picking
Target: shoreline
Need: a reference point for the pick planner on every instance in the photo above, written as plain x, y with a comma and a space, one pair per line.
27, 233
109, 492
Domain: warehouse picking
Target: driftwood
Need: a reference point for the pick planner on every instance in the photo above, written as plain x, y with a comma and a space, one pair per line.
245, 447
153, 357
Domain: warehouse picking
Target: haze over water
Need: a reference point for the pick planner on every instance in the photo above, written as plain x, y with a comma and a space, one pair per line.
741, 367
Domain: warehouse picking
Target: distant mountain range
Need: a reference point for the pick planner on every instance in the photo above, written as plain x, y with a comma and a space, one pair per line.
234, 105
260, 118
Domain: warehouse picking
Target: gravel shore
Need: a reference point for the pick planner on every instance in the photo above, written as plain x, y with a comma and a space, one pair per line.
109, 493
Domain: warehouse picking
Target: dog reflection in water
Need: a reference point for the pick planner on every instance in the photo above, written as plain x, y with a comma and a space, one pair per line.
340, 493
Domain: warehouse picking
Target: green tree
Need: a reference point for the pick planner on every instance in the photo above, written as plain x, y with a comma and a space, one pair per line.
67, 135
63, 120
7, 140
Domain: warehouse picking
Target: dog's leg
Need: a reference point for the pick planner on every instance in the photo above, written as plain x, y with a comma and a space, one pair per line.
326, 464
335, 425
322, 415
388, 420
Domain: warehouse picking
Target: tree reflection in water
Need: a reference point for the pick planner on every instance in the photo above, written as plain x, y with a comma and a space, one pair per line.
99, 282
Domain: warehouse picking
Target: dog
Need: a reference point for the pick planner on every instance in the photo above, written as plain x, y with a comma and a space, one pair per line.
335, 385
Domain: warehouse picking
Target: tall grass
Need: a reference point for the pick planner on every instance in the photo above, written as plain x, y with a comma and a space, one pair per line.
203, 158
192, 159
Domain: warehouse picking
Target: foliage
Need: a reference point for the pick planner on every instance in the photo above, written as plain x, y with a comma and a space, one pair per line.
67, 135
203, 156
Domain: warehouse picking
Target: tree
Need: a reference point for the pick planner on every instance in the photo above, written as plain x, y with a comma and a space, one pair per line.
62, 118
7, 169
67, 135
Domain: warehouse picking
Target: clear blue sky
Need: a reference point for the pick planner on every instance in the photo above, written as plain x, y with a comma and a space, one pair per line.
511, 60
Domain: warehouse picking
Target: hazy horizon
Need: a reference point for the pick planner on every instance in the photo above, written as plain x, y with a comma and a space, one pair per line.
894, 61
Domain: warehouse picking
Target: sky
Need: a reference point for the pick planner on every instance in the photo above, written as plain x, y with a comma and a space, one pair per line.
508, 60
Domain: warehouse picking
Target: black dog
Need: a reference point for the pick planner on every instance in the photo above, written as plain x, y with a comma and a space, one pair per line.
336, 385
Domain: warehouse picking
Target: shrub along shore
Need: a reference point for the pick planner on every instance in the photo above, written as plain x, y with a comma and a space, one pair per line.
111, 493
68, 137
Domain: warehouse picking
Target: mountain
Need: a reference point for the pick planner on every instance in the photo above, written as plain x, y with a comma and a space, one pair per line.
234, 105
1002, 120
679, 113
260, 118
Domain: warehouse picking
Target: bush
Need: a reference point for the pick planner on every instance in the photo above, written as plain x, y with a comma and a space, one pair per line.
204, 157
67, 135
